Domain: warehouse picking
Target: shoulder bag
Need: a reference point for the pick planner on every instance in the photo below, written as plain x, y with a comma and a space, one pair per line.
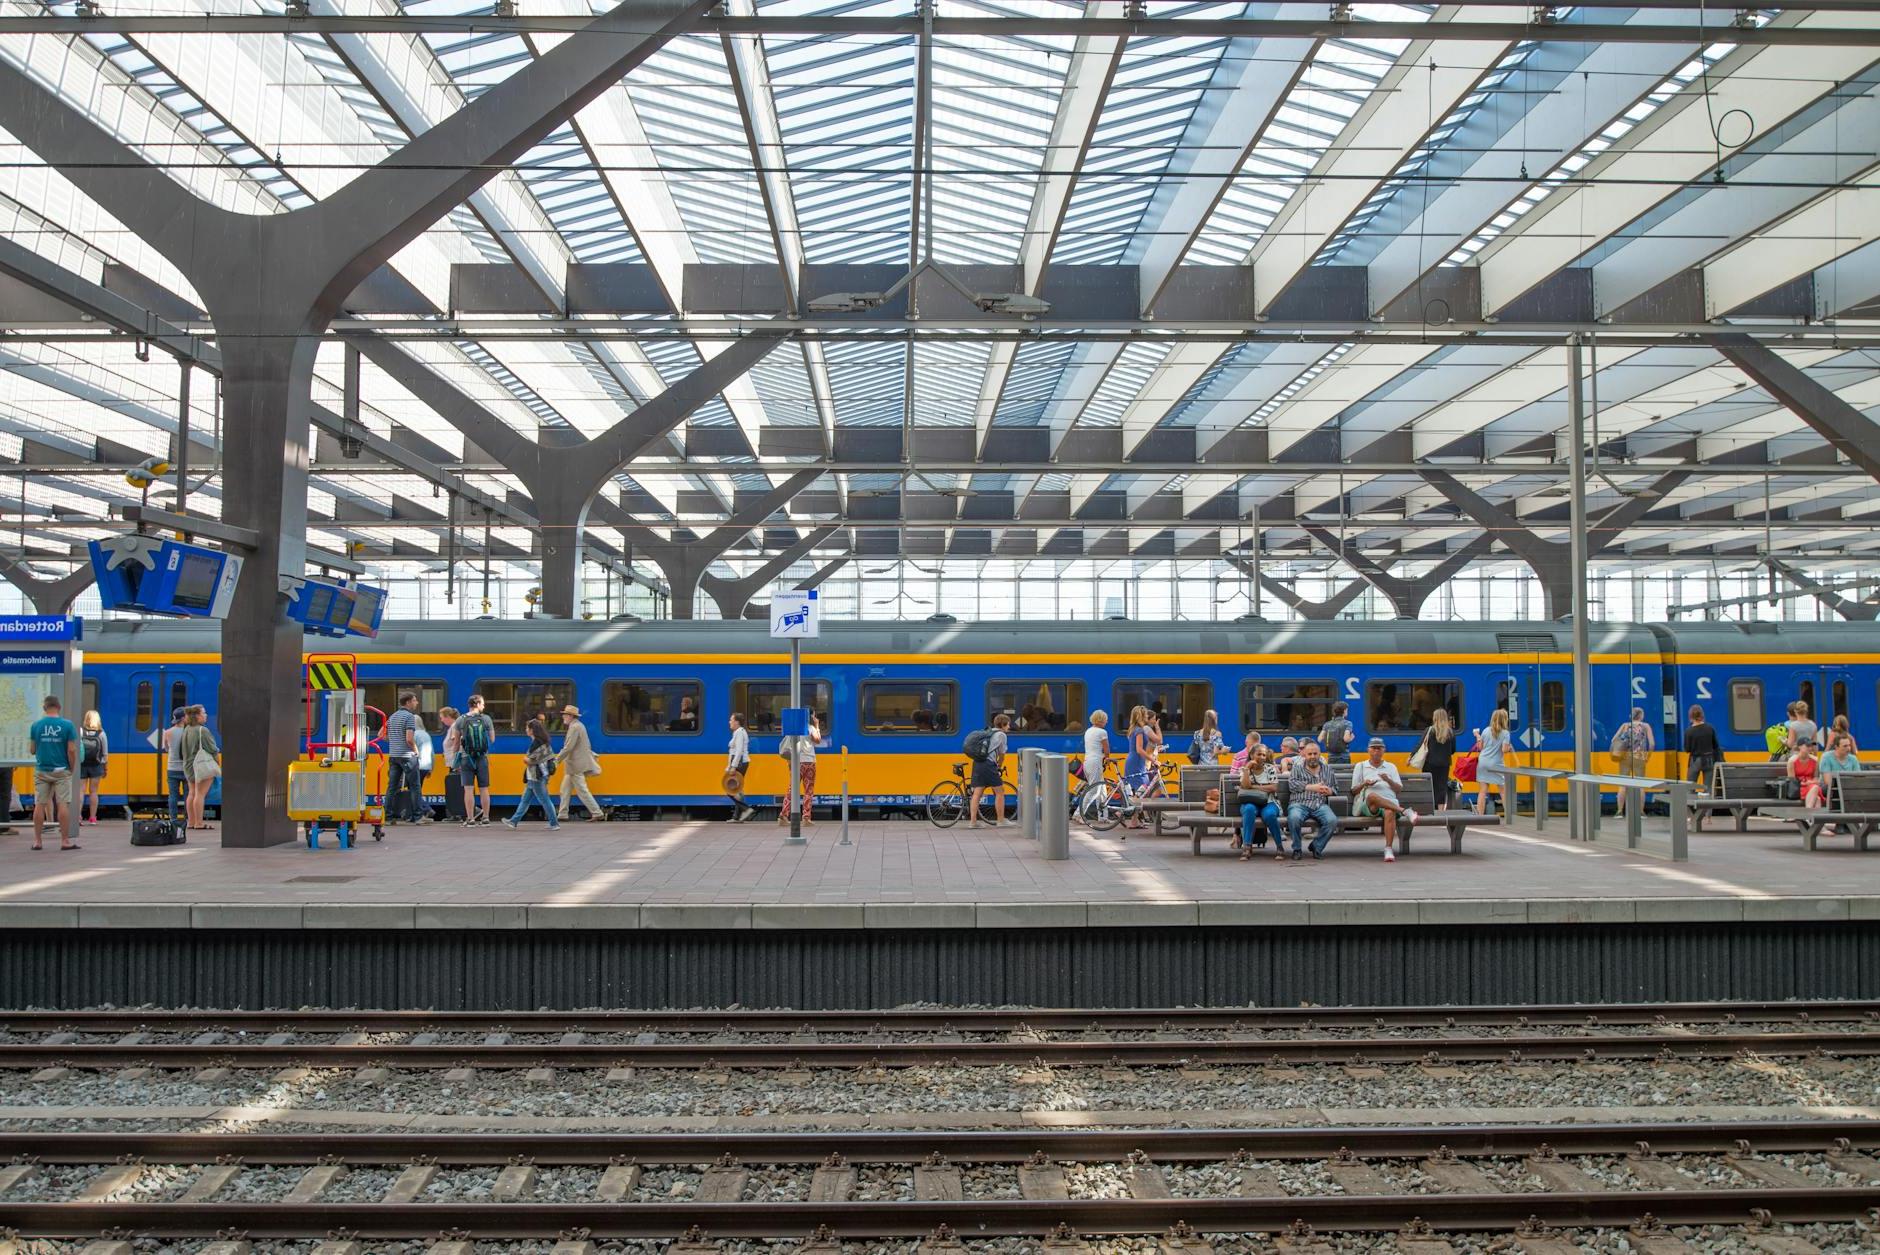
1421, 754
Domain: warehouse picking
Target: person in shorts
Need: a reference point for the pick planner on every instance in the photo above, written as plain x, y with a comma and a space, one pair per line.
55, 762
476, 733
1375, 789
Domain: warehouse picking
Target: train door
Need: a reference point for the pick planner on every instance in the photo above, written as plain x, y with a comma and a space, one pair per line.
153, 695
1826, 690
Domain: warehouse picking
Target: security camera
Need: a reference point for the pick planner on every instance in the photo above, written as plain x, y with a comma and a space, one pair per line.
847, 303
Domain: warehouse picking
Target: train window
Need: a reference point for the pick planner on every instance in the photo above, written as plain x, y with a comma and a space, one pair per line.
1746, 706
1406, 705
145, 701
382, 695
1553, 705
1179, 702
762, 703
1838, 697
1808, 697
89, 689
510, 704
179, 693
1286, 705
910, 706
1039, 706
631, 707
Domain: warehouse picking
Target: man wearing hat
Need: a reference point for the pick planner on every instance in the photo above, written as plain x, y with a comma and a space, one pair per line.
1374, 787
577, 762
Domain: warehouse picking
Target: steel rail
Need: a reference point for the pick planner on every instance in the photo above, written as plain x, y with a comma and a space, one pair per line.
973, 1218
934, 1053
1001, 1146
940, 1020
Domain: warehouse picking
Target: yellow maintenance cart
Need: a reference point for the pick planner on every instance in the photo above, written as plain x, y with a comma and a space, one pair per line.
329, 786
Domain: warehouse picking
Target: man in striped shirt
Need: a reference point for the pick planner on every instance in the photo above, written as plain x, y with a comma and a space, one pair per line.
403, 785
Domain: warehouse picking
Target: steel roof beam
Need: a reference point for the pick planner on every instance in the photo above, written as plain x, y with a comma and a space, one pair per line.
1854, 435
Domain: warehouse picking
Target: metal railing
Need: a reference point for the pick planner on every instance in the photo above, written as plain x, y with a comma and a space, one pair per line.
1543, 777
1584, 793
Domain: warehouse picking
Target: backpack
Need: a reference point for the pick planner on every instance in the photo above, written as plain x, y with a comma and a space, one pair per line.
474, 741
94, 747
1776, 737
978, 745
1622, 740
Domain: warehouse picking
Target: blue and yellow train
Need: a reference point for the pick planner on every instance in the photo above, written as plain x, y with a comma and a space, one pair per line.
899, 697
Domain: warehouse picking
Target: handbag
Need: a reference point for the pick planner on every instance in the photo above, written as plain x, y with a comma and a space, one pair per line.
1421, 754
1252, 797
1194, 750
1212, 804
205, 767
1462, 767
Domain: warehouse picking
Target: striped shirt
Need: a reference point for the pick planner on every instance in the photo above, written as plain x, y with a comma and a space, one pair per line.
401, 733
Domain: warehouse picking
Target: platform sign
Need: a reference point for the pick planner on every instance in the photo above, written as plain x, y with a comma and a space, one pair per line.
33, 629
165, 576
36, 652
795, 615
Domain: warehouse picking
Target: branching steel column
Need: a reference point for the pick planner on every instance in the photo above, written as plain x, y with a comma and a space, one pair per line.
53, 596
1583, 545
272, 285
563, 478
685, 562
1315, 611
1851, 432
1407, 596
1855, 611
734, 596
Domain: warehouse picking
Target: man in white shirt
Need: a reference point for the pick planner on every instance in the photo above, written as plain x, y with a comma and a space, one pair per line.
737, 769
1374, 788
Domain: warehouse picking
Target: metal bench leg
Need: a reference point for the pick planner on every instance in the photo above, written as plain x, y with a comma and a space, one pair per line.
1742, 819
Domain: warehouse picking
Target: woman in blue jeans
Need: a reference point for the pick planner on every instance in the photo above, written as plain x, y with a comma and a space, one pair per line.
1259, 789
535, 768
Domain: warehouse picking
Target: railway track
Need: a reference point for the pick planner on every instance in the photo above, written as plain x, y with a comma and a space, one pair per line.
796, 1040
1419, 1181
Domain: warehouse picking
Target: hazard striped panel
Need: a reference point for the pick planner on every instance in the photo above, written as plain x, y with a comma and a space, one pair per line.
331, 676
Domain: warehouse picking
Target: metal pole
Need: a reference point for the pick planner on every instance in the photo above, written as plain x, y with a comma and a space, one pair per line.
796, 747
845, 798
1028, 792
182, 438
1054, 827
1582, 664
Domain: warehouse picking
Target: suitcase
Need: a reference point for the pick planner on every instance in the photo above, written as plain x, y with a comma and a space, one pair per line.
156, 831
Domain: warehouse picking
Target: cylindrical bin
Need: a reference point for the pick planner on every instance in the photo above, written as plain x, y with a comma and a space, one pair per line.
1054, 788
1028, 791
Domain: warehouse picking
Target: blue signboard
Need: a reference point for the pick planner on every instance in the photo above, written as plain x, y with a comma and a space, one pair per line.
334, 608
40, 628
164, 576
31, 662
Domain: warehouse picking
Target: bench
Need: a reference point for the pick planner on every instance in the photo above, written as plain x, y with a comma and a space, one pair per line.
1853, 806
1741, 788
1191, 795
1418, 793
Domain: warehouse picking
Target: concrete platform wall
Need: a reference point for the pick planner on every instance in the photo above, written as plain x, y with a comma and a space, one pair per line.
1119, 967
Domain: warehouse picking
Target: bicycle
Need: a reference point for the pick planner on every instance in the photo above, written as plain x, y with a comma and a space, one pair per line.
1112, 800
946, 801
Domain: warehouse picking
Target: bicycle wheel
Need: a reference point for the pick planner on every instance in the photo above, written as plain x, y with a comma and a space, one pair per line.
946, 803
1100, 805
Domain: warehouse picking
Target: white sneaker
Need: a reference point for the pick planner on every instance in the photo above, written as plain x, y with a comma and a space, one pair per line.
1410, 816
1390, 855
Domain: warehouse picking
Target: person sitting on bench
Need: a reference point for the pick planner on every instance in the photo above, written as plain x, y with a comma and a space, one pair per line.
1374, 786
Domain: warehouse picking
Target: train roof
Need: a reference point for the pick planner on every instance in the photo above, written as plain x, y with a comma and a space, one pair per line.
1822, 641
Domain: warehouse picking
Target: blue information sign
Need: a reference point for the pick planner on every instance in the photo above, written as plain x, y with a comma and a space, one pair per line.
40, 628
40, 662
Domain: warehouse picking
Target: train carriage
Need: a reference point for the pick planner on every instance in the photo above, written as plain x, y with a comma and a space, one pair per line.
899, 697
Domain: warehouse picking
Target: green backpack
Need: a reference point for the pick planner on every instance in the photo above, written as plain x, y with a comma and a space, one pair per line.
1776, 737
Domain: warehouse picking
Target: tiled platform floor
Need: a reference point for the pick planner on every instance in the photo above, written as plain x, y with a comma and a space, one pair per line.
697, 874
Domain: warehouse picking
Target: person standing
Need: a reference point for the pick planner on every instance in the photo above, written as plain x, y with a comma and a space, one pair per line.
805, 774
1310, 794
401, 750
199, 763
94, 753
476, 733
1208, 744
1840, 728
738, 765
1802, 729
1375, 789
1632, 748
1439, 751
1700, 742
1336, 736
176, 778
453, 745
577, 763
989, 774
536, 766
1493, 745
55, 762
1096, 746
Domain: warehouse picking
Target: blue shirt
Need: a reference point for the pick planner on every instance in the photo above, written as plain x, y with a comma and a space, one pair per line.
52, 735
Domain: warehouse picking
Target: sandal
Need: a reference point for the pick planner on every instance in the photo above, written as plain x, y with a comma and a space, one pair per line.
73, 846
1246, 856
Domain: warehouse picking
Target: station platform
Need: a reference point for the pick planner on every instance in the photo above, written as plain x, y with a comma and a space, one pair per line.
908, 912
909, 874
